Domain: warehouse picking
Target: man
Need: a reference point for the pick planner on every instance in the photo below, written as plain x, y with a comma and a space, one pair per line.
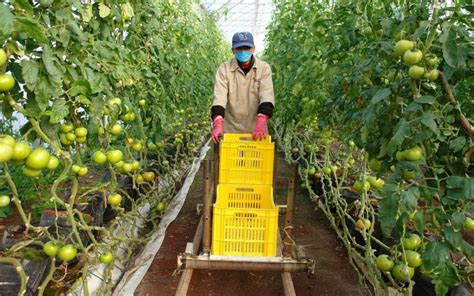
243, 92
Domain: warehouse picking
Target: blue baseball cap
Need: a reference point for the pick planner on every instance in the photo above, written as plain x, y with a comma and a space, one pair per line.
242, 39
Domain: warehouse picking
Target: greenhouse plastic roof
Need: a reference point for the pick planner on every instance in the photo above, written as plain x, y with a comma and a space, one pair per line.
242, 15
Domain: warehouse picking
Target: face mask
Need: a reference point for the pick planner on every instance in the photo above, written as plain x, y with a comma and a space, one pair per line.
243, 56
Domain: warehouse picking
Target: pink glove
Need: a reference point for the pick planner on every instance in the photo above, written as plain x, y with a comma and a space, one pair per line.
260, 130
218, 130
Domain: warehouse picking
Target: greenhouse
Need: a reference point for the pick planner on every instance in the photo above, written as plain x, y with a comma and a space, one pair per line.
236, 147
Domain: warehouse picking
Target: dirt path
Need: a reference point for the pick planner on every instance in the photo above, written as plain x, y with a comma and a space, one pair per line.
334, 275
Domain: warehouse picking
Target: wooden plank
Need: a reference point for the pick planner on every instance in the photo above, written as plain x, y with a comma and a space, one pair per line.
198, 237
288, 287
184, 282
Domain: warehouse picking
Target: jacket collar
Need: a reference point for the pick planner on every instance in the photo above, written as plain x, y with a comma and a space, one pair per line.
234, 65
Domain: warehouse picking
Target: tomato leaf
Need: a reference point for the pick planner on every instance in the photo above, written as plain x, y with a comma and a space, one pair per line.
445, 278
388, 208
59, 110
409, 199
452, 54
104, 10
48, 61
87, 14
435, 253
457, 220
425, 100
7, 110
402, 132
460, 188
6, 22
30, 27
381, 94
457, 144
79, 87
25, 5
428, 120
30, 70
42, 93
453, 237
420, 221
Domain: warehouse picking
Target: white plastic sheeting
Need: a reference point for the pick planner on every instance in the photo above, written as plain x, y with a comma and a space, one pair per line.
126, 281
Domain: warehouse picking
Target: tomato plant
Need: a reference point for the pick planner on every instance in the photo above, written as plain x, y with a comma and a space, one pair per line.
394, 78
78, 78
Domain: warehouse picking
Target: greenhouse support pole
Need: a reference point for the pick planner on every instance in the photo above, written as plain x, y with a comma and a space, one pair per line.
288, 241
207, 201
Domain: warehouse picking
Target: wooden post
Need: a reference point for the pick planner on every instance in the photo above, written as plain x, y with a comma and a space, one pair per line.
290, 210
184, 282
288, 287
207, 201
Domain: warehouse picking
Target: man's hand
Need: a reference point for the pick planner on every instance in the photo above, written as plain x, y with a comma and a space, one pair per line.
260, 130
218, 124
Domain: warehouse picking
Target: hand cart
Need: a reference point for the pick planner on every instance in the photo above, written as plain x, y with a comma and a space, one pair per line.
288, 256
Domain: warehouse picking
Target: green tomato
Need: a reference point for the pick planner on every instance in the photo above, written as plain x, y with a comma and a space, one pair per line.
384, 263
416, 72
160, 207
66, 127
137, 147
83, 171
50, 248
127, 167
53, 163
375, 164
376, 183
81, 139
4, 201
403, 46
75, 168
469, 223
31, 172
67, 253
412, 57
99, 157
38, 159
6, 152
327, 170
106, 257
80, 132
114, 156
7, 82
361, 186
114, 200
403, 272
412, 258
7, 139
411, 242
413, 154
71, 136
21, 150
3, 57
116, 129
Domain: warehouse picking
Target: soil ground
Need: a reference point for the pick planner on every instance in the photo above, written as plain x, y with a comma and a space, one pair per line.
334, 275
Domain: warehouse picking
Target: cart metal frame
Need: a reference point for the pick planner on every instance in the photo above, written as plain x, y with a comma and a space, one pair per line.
289, 258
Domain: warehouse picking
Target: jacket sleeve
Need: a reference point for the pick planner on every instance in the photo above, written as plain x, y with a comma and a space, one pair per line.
266, 94
221, 90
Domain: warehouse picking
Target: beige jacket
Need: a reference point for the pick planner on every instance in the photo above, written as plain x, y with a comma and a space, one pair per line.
241, 94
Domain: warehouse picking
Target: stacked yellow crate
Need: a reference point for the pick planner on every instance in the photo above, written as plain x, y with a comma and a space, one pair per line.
245, 219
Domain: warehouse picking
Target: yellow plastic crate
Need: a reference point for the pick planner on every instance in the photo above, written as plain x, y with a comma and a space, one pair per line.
245, 221
246, 161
